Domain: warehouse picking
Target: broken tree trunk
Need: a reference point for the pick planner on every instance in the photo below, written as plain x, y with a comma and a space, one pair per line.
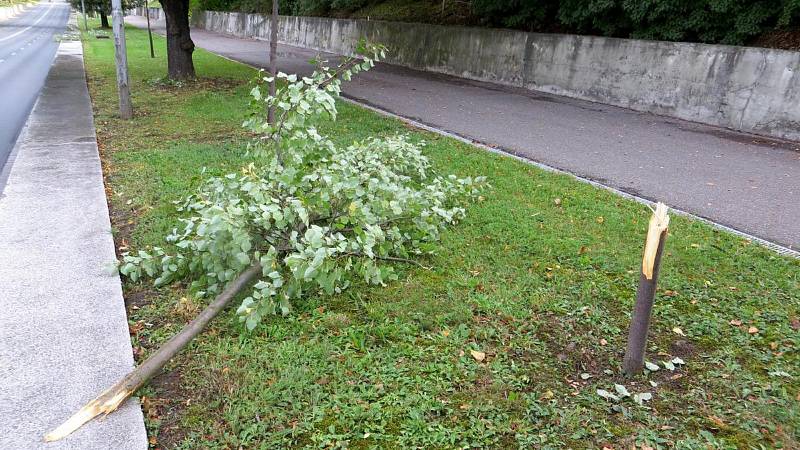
112, 398
651, 260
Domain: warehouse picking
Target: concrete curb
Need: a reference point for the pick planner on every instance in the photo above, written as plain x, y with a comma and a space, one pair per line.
64, 331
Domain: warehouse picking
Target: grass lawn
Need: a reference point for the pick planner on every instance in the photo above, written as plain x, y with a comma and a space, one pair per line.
543, 287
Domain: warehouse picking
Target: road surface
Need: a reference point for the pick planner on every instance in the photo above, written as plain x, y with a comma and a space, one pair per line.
27, 49
745, 182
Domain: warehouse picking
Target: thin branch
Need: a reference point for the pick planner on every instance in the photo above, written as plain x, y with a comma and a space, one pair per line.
387, 258
339, 71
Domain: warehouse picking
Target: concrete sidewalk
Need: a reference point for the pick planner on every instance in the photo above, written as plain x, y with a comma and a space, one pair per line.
63, 327
745, 182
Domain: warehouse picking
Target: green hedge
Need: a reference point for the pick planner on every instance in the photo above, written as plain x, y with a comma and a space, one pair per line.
711, 21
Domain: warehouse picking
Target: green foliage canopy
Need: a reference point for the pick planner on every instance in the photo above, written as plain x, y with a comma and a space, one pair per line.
316, 216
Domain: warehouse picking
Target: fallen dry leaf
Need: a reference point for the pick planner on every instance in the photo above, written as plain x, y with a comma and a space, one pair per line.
557, 201
678, 331
752, 330
717, 421
603, 342
479, 356
600, 219
735, 322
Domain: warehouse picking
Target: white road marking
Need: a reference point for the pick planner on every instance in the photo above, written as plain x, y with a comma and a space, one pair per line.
28, 28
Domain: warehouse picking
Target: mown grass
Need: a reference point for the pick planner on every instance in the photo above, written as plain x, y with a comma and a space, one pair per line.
543, 287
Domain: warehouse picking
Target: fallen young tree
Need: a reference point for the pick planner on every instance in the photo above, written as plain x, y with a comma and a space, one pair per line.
305, 217
113, 397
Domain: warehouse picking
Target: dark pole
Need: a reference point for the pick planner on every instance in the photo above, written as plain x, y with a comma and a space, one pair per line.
149, 33
273, 58
640, 321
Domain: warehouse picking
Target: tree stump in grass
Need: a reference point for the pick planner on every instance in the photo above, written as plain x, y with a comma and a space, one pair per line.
651, 261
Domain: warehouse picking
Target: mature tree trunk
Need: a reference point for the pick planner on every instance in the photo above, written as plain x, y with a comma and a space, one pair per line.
179, 42
104, 19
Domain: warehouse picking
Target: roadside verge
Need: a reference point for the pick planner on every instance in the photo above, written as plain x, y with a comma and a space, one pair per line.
63, 331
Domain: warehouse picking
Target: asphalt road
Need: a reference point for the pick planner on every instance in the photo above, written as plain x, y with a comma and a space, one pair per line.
27, 49
746, 182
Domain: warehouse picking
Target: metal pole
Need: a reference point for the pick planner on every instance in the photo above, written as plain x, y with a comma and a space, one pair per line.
83, 10
120, 53
149, 33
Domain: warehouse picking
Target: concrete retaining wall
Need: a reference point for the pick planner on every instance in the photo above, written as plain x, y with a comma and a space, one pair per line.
156, 15
743, 88
7, 12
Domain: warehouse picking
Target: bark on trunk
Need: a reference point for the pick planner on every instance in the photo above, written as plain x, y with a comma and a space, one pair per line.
633, 361
179, 41
104, 19
113, 397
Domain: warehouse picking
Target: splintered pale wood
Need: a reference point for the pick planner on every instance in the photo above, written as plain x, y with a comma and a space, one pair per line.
112, 398
659, 222
645, 294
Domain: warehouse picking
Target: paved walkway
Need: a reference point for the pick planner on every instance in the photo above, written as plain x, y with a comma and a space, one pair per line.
748, 183
63, 328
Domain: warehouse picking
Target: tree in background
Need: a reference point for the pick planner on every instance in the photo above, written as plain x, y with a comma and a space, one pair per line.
100, 7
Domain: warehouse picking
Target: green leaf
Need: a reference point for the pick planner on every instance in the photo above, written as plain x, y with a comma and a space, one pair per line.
642, 397
622, 390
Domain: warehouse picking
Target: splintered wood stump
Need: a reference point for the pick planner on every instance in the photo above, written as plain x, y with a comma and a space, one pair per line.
112, 398
651, 260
